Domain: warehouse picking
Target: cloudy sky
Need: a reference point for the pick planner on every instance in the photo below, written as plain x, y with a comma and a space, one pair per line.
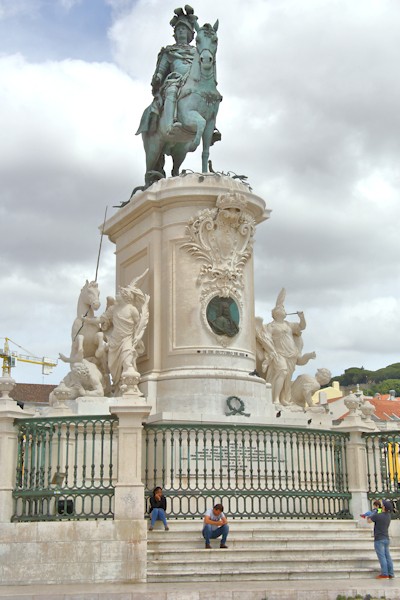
310, 114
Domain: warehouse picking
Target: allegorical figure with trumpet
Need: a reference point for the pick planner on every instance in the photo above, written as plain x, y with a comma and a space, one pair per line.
280, 347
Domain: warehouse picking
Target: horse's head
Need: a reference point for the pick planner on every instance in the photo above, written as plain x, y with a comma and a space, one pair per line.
207, 43
90, 295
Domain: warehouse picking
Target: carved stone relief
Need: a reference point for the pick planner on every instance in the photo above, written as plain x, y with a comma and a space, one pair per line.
222, 239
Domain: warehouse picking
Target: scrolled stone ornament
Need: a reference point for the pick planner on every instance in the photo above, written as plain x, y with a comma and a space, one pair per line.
222, 238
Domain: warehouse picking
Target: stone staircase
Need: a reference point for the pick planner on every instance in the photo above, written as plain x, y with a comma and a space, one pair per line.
261, 550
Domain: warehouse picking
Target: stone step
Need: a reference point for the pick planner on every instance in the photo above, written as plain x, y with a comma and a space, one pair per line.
250, 537
166, 537
345, 551
263, 550
257, 534
209, 575
261, 529
309, 524
175, 562
257, 546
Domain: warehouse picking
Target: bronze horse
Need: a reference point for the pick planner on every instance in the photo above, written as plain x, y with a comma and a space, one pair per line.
197, 108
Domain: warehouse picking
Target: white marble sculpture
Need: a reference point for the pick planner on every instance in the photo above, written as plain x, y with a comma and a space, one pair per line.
105, 344
128, 319
279, 349
89, 375
87, 336
84, 379
104, 323
304, 386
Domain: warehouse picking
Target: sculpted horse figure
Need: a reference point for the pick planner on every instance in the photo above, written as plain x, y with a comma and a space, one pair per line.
87, 338
196, 111
85, 328
88, 344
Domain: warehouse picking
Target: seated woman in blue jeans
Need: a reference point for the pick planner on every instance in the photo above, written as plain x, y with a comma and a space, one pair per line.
158, 507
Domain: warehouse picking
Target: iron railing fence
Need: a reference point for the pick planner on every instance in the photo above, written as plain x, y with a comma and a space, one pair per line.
383, 466
255, 471
65, 468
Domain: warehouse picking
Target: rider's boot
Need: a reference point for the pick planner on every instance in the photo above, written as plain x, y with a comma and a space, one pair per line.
171, 126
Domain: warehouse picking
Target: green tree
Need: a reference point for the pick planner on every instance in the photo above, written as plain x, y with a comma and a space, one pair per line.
355, 375
389, 372
384, 387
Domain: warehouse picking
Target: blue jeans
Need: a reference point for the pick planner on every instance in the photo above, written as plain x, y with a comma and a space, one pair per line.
209, 534
158, 514
383, 554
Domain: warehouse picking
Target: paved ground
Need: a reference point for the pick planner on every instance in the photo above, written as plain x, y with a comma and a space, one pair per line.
257, 590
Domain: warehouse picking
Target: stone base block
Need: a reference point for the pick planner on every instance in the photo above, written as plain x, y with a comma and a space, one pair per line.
206, 392
73, 552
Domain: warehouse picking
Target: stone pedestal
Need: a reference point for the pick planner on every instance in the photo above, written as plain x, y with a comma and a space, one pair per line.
195, 234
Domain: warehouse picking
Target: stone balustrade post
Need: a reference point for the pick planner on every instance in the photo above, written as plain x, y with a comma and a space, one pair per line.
131, 410
356, 452
9, 410
357, 474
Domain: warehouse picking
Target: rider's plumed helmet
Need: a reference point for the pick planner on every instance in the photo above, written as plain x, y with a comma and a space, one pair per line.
187, 19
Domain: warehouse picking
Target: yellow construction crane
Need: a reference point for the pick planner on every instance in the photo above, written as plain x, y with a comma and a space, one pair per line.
9, 357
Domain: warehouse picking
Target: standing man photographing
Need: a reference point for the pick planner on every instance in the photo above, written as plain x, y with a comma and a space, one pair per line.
381, 539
